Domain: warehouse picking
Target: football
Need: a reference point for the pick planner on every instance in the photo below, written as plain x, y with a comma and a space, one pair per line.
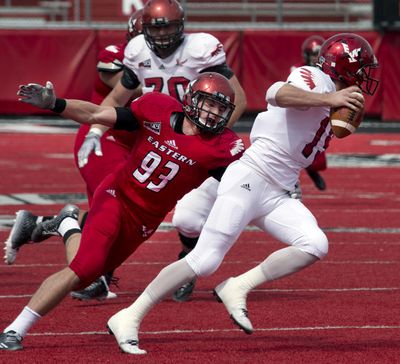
345, 121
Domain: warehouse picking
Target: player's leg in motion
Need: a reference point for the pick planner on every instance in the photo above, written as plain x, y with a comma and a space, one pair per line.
227, 219
21, 233
190, 215
291, 223
93, 173
55, 287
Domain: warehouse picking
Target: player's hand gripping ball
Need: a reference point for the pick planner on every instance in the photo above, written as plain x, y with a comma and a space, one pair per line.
345, 121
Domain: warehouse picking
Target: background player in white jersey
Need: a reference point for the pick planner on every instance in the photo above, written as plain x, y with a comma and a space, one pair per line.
254, 189
165, 59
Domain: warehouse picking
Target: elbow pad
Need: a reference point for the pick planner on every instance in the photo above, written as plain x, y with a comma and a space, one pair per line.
272, 91
129, 80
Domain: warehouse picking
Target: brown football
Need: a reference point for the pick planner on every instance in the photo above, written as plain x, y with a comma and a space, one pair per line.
345, 121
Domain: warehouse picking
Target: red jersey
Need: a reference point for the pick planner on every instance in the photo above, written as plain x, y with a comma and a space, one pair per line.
165, 165
109, 60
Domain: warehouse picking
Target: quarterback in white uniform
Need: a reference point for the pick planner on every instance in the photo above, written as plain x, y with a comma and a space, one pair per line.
294, 135
165, 59
255, 188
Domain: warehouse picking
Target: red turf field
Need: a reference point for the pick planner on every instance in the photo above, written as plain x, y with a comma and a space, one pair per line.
345, 309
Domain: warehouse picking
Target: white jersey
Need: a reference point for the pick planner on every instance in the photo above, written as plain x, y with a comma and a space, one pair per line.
285, 140
172, 74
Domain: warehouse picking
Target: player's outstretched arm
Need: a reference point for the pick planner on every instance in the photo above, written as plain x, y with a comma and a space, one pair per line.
119, 96
286, 95
83, 112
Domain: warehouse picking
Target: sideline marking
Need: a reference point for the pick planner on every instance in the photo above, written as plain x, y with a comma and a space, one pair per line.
306, 328
363, 160
266, 290
232, 262
6, 221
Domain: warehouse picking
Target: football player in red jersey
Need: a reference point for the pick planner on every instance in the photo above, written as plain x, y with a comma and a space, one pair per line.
166, 59
310, 50
163, 59
115, 148
177, 148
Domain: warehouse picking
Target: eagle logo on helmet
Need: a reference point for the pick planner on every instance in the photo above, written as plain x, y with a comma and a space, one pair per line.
354, 55
349, 58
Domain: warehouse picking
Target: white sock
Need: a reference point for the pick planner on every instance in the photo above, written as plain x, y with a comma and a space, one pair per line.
139, 309
277, 265
68, 224
286, 261
168, 281
24, 321
251, 279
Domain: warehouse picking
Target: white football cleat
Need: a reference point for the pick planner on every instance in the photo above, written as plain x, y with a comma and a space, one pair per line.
234, 300
125, 334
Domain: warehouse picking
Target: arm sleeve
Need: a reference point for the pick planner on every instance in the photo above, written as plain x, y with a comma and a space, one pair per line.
126, 120
222, 69
272, 91
129, 80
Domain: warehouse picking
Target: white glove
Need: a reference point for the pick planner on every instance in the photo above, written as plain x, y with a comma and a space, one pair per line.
37, 95
91, 143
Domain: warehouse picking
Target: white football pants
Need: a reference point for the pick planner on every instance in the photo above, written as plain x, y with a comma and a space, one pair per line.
192, 210
245, 197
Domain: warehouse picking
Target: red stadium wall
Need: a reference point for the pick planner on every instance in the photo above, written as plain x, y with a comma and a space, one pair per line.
259, 58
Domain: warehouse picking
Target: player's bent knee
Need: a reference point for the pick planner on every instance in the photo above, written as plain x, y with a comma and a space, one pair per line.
204, 264
86, 273
187, 222
315, 244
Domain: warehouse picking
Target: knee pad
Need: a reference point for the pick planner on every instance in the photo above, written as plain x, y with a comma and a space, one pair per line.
187, 222
205, 264
315, 243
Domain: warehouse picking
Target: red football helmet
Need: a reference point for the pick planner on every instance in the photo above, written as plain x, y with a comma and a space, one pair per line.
310, 48
134, 25
349, 58
208, 102
163, 24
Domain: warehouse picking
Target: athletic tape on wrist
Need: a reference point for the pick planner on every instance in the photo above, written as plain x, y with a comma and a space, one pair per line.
96, 131
59, 105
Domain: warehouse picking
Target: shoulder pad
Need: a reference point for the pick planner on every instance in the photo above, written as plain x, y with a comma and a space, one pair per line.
135, 48
203, 45
115, 66
111, 52
311, 79
110, 58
